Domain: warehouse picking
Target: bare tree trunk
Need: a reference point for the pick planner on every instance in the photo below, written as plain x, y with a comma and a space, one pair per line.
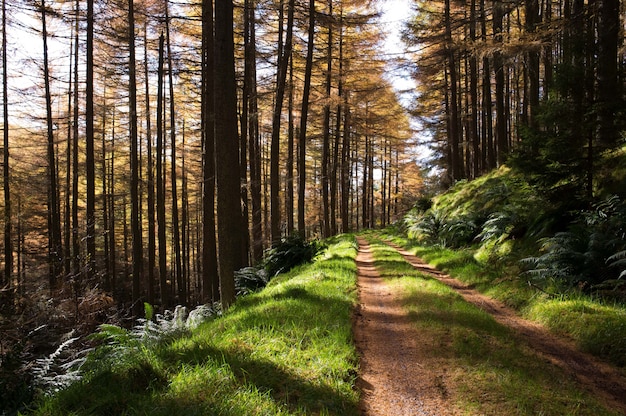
254, 148
303, 120
160, 197
283, 66
134, 168
210, 280
180, 285
89, 142
8, 242
54, 218
227, 153
326, 127
150, 178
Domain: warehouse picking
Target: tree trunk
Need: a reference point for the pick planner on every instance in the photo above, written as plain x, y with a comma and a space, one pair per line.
90, 169
326, 126
8, 242
498, 63
254, 148
180, 285
283, 66
303, 120
160, 197
136, 228
227, 153
150, 179
54, 218
210, 281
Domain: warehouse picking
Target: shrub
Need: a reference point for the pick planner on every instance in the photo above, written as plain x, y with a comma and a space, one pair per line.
586, 255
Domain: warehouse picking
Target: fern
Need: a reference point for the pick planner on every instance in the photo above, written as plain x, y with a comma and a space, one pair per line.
60, 369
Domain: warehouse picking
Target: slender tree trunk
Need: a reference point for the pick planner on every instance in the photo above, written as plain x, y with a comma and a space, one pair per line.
210, 281
254, 147
160, 197
150, 178
283, 66
345, 169
303, 120
289, 191
8, 241
67, 212
54, 219
453, 115
339, 121
326, 126
136, 228
180, 285
498, 63
90, 171
227, 153
489, 155
75, 261
473, 97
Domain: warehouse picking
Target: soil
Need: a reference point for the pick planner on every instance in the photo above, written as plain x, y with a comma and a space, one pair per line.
398, 376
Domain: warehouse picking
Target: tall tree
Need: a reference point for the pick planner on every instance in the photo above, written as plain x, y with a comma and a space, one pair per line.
281, 78
226, 152
89, 141
304, 113
136, 228
180, 285
8, 240
160, 183
210, 281
54, 216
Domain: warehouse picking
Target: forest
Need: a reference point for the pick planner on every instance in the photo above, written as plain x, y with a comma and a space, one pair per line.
155, 149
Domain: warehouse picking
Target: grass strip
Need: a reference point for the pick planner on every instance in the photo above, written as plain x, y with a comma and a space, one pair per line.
481, 365
596, 325
286, 350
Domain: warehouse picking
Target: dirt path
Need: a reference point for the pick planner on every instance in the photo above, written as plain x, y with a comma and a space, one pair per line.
396, 380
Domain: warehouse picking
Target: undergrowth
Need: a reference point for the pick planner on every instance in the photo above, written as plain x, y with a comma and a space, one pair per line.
284, 350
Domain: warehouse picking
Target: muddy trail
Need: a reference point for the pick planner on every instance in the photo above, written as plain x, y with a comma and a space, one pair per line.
399, 377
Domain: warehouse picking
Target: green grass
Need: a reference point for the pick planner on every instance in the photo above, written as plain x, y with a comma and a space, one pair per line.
286, 350
487, 367
597, 326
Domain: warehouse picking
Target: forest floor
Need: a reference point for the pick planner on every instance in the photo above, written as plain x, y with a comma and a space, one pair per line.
399, 376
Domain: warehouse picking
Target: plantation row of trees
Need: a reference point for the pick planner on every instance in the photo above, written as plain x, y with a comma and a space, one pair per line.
535, 84
152, 148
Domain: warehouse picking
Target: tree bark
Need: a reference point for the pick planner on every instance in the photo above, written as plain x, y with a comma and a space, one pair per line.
136, 228
210, 281
283, 66
226, 153
303, 121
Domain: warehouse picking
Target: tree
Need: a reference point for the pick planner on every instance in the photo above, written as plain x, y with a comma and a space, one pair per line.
8, 241
54, 217
134, 167
226, 152
281, 78
210, 281
90, 137
302, 142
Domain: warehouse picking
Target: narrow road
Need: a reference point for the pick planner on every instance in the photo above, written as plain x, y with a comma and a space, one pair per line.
399, 377
395, 377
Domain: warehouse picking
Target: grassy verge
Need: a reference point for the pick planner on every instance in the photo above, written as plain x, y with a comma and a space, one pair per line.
597, 326
481, 363
285, 350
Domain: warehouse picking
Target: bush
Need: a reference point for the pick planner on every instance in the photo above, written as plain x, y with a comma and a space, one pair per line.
288, 253
586, 255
